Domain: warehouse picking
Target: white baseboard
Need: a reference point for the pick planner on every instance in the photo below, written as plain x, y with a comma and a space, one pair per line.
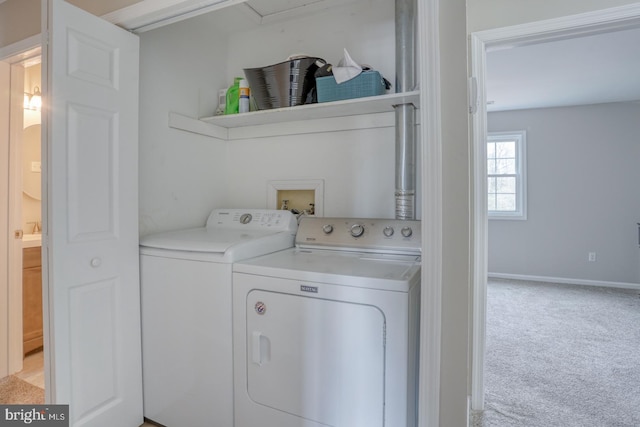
565, 280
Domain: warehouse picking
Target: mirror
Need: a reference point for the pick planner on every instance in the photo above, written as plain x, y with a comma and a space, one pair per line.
31, 158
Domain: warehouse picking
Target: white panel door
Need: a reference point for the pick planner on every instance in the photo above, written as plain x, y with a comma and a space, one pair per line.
315, 359
91, 123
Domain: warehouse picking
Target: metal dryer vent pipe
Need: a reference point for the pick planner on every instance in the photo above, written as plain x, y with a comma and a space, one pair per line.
405, 194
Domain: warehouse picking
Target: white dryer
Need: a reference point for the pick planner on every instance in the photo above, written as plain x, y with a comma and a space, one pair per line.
186, 312
326, 333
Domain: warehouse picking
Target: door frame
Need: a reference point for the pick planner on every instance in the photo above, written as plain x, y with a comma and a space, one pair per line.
13, 55
585, 24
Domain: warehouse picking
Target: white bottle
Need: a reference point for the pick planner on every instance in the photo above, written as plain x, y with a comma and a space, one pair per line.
222, 101
244, 94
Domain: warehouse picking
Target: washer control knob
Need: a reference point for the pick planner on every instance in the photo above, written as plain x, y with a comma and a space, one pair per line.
357, 230
406, 231
327, 228
388, 231
245, 218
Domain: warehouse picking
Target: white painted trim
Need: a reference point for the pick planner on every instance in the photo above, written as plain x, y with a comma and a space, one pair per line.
5, 78
315, 185
19, 51
566, 281
150, 14
15, 218
431, 137
480, 226
616, 18
47, 292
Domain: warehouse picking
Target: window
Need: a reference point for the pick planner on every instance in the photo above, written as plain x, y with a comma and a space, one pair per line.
506, 173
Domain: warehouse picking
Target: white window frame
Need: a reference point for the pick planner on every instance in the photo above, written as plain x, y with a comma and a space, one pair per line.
521, 174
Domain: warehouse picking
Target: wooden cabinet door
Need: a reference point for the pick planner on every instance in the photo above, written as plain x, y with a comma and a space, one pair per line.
31, 299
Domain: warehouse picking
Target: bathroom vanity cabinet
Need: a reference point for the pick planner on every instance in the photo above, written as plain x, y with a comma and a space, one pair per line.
31, 299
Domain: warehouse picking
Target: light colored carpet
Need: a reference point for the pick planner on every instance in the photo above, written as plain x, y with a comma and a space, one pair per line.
14, 391
561, 355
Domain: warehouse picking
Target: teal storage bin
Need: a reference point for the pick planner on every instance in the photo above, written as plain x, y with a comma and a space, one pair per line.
367, 83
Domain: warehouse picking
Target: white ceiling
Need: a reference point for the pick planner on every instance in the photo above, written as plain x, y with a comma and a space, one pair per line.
584, 70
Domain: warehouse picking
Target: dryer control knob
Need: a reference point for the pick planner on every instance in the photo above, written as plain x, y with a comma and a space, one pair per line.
388, 231
406, 231
327, 228
357, 230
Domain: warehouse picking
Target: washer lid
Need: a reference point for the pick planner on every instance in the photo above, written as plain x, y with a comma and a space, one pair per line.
202, 239
231, 228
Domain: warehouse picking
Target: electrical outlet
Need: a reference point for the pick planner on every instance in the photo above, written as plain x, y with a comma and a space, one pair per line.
592, 257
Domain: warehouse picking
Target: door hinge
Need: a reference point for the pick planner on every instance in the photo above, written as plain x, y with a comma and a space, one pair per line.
18, 234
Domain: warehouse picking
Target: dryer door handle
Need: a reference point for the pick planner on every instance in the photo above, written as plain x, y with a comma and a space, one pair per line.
260, 348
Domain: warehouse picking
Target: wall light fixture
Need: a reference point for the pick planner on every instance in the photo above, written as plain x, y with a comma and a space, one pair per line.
33, 101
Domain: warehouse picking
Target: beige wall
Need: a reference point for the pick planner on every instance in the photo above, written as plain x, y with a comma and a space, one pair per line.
31, 196
20, 19
488, 14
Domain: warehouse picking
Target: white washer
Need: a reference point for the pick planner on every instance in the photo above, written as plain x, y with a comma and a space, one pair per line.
186, 312
326, 333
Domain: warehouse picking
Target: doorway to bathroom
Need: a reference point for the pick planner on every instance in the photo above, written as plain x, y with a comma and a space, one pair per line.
21, 331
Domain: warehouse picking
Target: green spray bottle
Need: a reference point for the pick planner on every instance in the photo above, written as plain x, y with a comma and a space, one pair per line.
233, 97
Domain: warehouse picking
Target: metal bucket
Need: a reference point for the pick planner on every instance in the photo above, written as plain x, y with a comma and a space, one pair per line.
285, 84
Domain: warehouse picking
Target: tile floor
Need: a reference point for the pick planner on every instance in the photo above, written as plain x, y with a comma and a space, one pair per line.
33, 369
